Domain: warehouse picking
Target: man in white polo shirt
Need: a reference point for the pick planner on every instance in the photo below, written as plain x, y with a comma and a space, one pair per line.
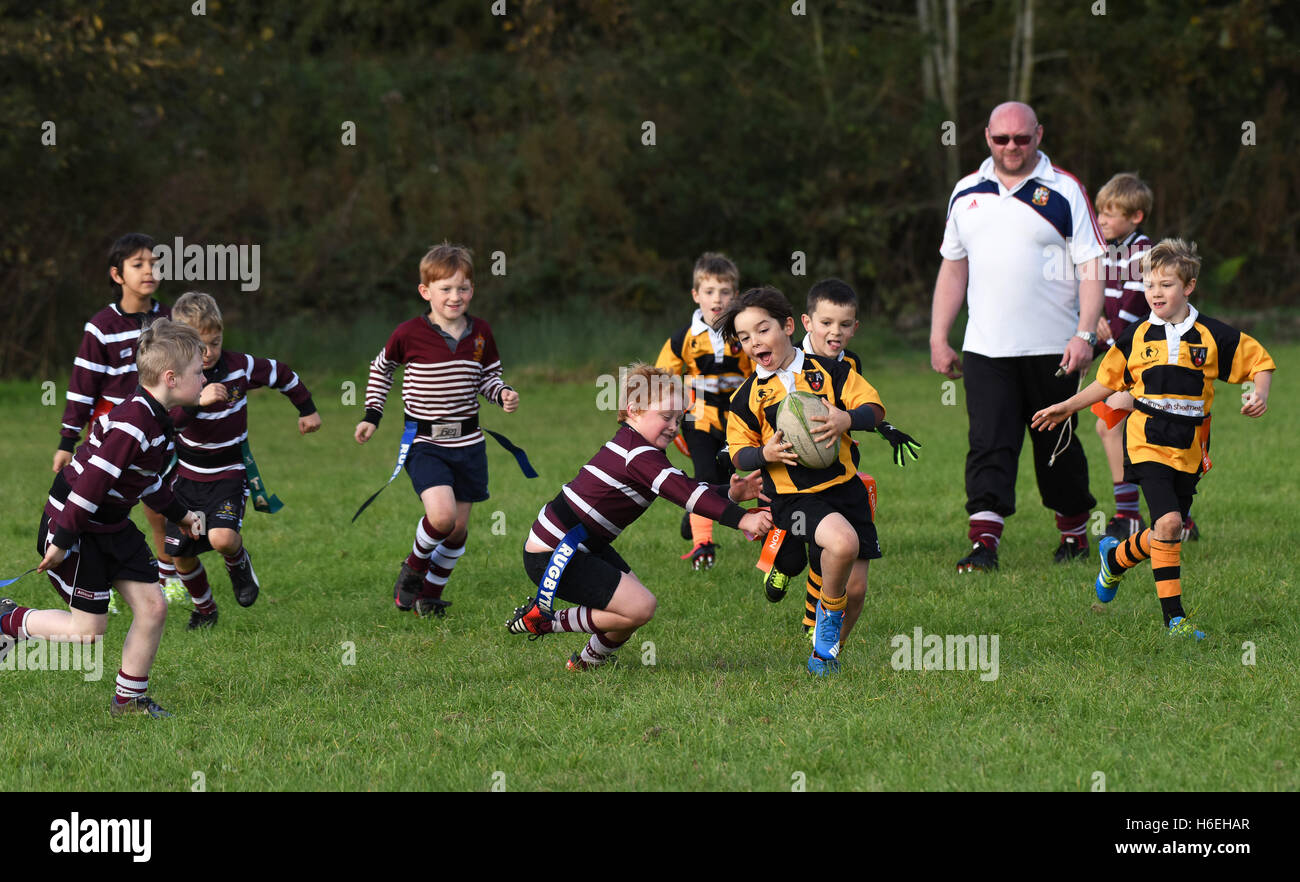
1019, 233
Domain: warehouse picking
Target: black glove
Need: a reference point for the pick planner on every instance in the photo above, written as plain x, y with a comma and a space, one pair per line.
902, 443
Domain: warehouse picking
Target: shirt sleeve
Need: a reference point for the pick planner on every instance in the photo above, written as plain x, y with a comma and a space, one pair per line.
653, 469
1086, 241
1249, 359
381, 376
89, 369
119, 447
952, 247
282, 378
490, 383
744, 428
670, 357
1111, 372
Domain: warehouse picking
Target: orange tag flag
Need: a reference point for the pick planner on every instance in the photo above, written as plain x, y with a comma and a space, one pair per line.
870, 483
1203, 435
771, 545
1109, 415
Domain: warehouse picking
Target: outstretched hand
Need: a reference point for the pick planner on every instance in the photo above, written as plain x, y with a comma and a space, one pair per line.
1050, 417
748, 487
904, 444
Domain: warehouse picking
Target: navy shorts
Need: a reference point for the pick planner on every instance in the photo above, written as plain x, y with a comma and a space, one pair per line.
805, 511
588, 580
463, 469
222, 503
96, 562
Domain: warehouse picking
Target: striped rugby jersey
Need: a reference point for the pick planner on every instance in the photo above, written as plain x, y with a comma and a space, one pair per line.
209, 439
1126, 300
104, 368
617, 485
123, 461
438, 384
1170, 371
713, 368
753, 423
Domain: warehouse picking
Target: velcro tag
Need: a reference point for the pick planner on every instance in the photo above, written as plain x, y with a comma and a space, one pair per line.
444, 430
771, 545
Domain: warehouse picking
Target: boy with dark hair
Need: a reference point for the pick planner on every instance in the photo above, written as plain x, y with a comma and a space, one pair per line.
713, 369
828, 505
210, 474
830, 322
451, 359
1169, 362
86, 538
104, 373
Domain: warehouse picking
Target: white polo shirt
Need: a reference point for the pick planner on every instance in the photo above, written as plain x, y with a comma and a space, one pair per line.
1022, 247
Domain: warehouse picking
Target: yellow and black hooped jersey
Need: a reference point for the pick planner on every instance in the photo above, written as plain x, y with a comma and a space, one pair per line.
753, 419
713, 370
1170, 371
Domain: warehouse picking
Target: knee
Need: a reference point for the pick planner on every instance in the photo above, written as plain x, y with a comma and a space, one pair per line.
645, 609
842, 545
224, 540
1169, 526
150, 608
443, 524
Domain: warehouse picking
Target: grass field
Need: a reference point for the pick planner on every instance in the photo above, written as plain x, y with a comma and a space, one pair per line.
267, 702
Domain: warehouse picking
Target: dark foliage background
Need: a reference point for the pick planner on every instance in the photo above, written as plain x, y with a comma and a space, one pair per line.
522, 133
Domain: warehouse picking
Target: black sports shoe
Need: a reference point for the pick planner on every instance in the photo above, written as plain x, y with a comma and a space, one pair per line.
1121, 527
982, 557
1071, 548
199, 620
1190, 531
686, 526
407, 587
702, 556
431, 606
141, 704
775, 585
244, 581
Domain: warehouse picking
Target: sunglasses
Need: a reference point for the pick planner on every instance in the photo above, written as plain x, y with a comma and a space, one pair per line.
1003, 140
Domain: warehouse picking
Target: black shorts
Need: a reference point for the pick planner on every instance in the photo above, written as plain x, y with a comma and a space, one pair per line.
463, 469
1165, 489
806, 510
588, 580
222, 503
96, 562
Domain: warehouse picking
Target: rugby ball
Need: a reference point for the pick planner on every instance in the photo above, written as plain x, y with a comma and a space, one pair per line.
794, 420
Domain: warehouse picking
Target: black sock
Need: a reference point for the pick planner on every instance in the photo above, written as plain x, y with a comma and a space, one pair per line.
1172, 607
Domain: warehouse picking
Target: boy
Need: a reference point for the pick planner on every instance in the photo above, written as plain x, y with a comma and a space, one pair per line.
450, 359
1169, 362
830, 322
713, 369
210, 474
830, 505
1122, 204
104, 374
86, 538
608, 494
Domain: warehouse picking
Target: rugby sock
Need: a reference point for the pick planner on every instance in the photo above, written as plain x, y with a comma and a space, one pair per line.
426, 539
1126, 499
234, 561
130, 687
1073, 525
701, 530
812, 594
1131, 552
835, 604
441, 563
12, 623
599, 648
196, 582
166, 570
1166, 570
986, 528
574, 618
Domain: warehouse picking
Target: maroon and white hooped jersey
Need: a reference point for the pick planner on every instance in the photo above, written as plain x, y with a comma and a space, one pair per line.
208, 444
617, 485
105, 364
121, 463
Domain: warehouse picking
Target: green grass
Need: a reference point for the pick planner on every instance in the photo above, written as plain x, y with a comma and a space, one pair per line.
264, 702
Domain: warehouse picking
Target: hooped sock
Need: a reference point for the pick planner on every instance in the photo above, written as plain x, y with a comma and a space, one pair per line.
426, 540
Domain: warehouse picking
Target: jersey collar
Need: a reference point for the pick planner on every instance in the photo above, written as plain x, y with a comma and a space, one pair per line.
699, 326
787, 375
1043, 172
1182, 327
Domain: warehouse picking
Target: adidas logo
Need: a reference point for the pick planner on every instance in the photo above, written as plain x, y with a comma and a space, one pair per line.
973, 204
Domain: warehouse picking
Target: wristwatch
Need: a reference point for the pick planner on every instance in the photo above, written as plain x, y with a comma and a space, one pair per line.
1087, 336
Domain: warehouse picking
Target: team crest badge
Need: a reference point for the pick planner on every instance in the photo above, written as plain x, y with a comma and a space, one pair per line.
478, 347
1198, 354
1040, 196
1149, 353
815, 380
